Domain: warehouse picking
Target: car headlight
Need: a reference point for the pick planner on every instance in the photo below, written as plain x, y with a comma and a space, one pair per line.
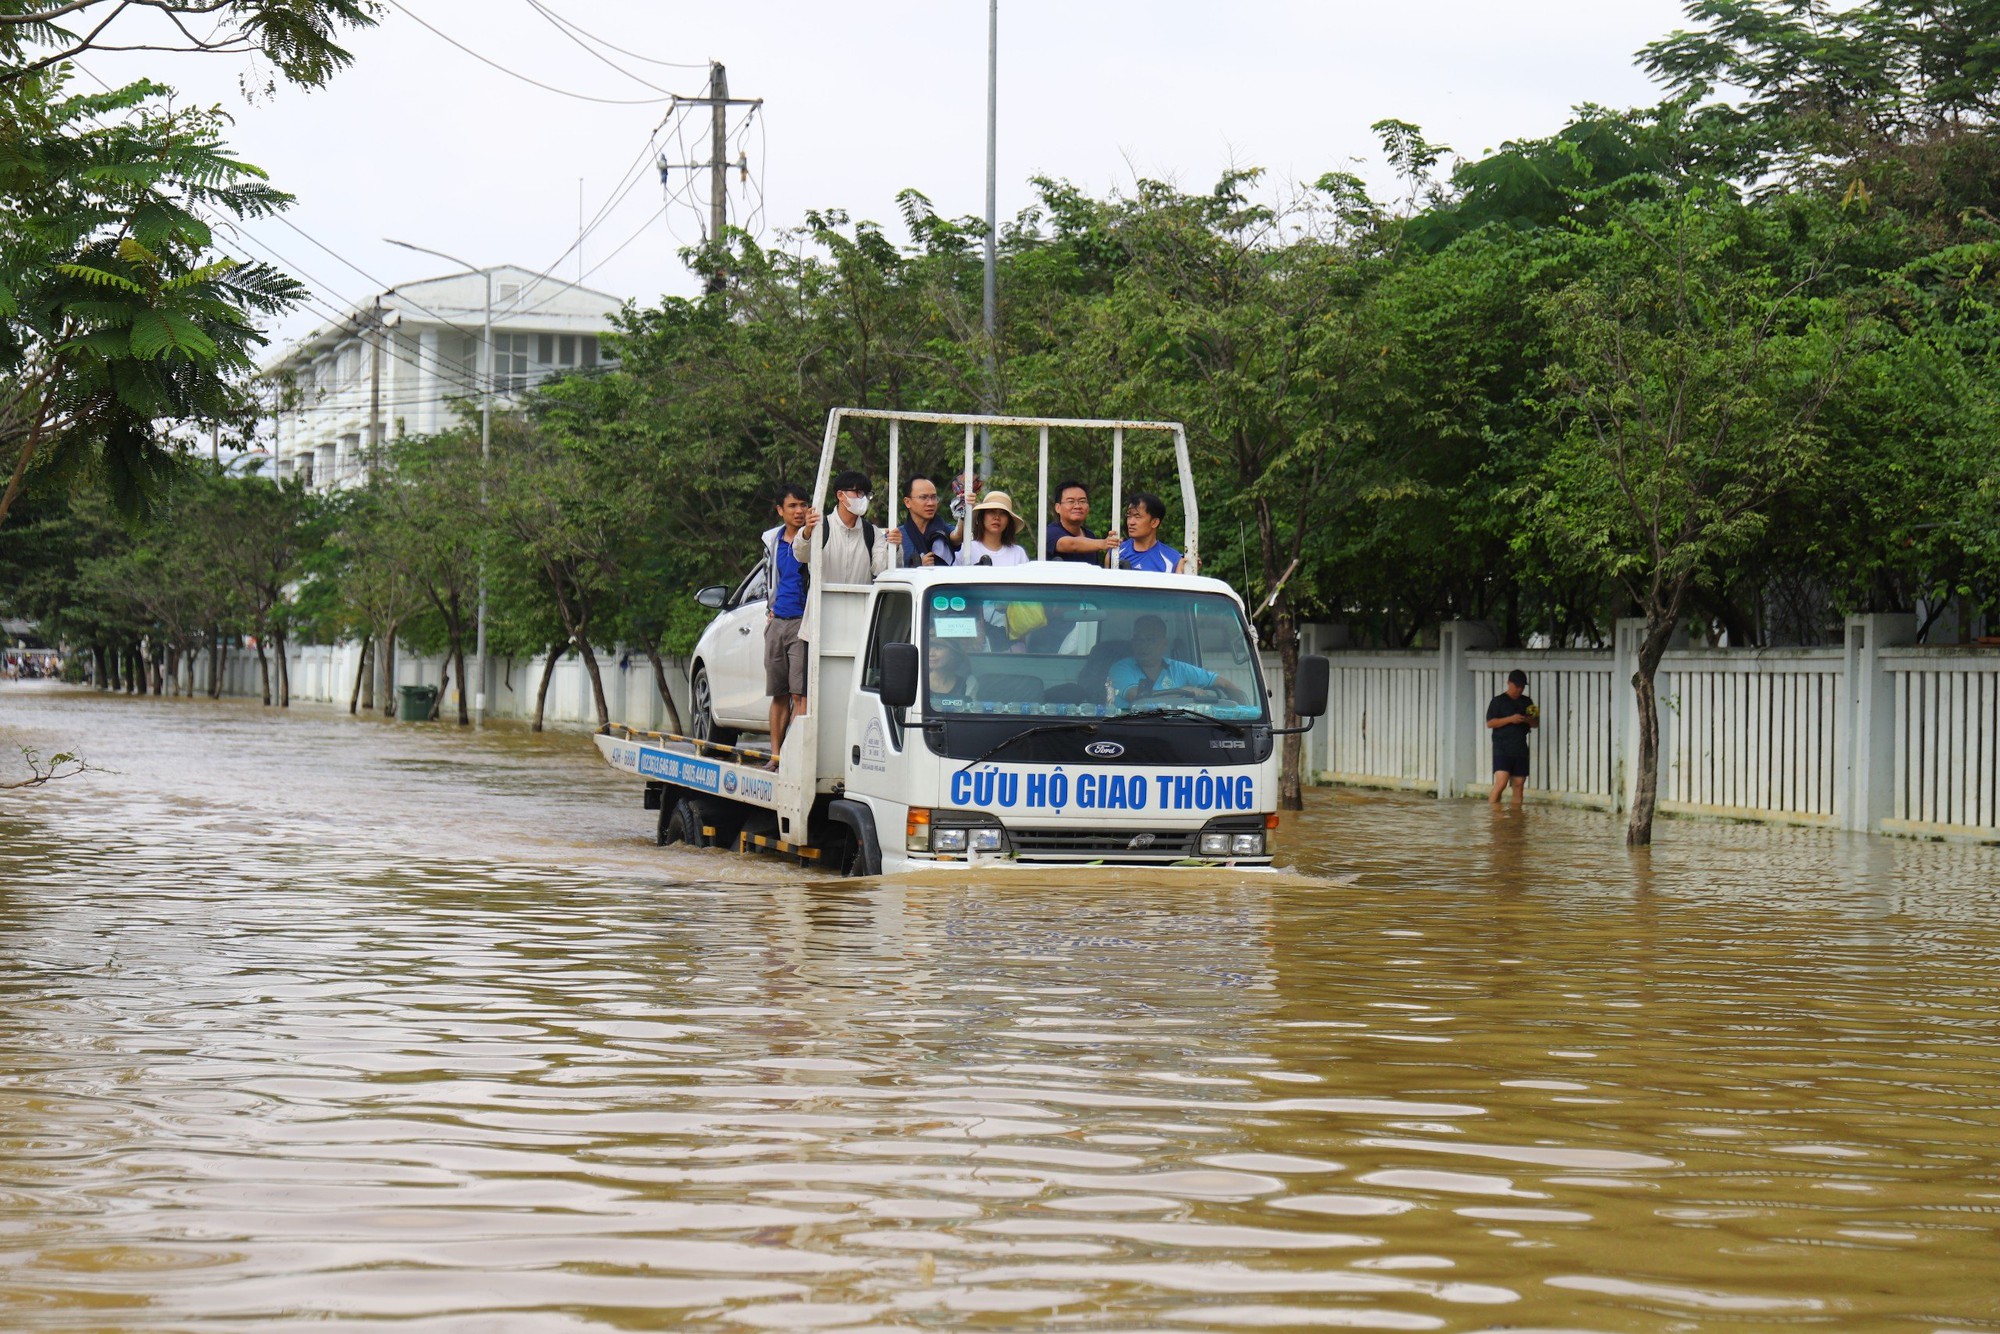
1246, 845
988, 840
948, 840
1215, 845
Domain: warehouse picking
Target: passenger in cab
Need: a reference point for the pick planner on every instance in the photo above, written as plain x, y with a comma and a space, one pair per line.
1069, 537
949, 676
996, 529
1142, 548
1149, 672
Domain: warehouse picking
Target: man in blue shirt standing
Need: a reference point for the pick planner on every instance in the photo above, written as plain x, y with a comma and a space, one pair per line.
1149, 671
1142, 548
784, 651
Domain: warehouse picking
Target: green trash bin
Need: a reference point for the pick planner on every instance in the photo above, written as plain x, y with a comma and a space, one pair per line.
414, 703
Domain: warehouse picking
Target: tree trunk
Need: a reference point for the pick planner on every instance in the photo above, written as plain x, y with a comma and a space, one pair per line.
284, 670
264, 670
368, 652
389, 671
1291, 785
542, 690
135, 668
360, 675
458, 659
666, 695
103, 674
1291, 782
444, 684
596, 682
1645, 795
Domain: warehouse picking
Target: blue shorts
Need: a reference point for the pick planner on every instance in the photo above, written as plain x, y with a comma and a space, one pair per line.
1511, 762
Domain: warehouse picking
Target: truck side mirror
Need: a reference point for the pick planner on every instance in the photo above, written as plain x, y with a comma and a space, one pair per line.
1314, 677
715, 597
899, 675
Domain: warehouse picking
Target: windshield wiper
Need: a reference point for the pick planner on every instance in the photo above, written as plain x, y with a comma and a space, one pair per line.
1178, 711
1078, 725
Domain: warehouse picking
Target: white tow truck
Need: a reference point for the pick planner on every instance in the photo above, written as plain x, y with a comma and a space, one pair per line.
1047, 714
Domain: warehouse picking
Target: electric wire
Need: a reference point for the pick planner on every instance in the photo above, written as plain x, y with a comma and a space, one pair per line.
571, 24
516, 74
593, 52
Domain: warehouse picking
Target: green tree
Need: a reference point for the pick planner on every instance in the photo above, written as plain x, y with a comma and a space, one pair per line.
1690, 354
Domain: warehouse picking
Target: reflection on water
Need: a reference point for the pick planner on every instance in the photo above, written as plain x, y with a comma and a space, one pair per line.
320, 1022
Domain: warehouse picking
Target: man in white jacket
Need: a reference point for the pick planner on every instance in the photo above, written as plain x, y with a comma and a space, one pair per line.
849, 549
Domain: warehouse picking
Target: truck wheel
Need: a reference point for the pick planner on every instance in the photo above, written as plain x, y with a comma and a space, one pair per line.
854, 862
680, 822
702, 713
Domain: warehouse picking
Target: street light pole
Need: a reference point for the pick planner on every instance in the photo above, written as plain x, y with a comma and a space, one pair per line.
992, 348
485, 452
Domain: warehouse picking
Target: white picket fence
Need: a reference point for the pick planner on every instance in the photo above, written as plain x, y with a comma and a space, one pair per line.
1947, 754
325, 674
1872, 735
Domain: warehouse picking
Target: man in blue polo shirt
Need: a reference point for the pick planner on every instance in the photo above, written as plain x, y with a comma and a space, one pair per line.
1149, 671
1142, 548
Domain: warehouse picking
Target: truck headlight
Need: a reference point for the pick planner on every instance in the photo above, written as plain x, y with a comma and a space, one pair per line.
988, 840
948, 840
1215, 845
1246, 845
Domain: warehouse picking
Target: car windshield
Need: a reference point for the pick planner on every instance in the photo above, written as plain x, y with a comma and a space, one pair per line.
1087, 653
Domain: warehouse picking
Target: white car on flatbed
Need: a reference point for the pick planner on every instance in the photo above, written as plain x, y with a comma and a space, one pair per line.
1052, 713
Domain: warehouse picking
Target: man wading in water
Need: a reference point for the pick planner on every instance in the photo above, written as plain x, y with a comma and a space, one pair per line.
1510, 717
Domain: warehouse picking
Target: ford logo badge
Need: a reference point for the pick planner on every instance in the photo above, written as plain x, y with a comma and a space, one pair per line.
1104, 750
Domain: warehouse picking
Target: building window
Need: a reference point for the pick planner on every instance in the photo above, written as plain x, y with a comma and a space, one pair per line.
511, 354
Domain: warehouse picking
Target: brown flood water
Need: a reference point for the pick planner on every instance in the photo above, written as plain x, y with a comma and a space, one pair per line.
314, 1023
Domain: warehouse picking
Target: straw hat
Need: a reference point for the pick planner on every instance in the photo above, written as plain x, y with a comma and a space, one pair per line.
998, 500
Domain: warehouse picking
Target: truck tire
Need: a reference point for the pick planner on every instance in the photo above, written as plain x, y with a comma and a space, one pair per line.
860, 852
701, 711
680, 822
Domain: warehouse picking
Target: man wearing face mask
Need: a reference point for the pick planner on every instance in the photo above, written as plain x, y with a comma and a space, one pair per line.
846, 549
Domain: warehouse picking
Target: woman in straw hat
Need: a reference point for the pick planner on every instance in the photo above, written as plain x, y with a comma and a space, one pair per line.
995, 526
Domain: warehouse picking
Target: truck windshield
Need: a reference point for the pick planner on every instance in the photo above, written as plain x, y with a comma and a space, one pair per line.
1087, 653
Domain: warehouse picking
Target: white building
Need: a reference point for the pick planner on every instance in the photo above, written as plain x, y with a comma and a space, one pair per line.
407, 363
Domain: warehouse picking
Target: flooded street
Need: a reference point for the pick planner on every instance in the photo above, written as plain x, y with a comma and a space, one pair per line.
314, 1022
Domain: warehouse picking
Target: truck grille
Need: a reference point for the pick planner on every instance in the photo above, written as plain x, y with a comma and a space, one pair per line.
1092, 844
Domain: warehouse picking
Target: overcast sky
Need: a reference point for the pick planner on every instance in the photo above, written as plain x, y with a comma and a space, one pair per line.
422, 141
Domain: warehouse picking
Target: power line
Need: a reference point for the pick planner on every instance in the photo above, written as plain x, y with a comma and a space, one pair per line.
592, 51
670, 64
516, 74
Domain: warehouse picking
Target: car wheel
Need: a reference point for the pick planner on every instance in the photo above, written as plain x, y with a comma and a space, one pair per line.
702, 721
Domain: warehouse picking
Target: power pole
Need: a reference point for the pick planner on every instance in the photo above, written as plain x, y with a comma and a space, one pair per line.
718, 101
718, 165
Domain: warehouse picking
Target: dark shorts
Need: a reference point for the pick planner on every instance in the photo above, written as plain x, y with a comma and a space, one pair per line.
1512, 762
784, 657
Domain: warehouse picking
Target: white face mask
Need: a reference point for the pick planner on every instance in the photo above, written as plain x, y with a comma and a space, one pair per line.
858, 505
